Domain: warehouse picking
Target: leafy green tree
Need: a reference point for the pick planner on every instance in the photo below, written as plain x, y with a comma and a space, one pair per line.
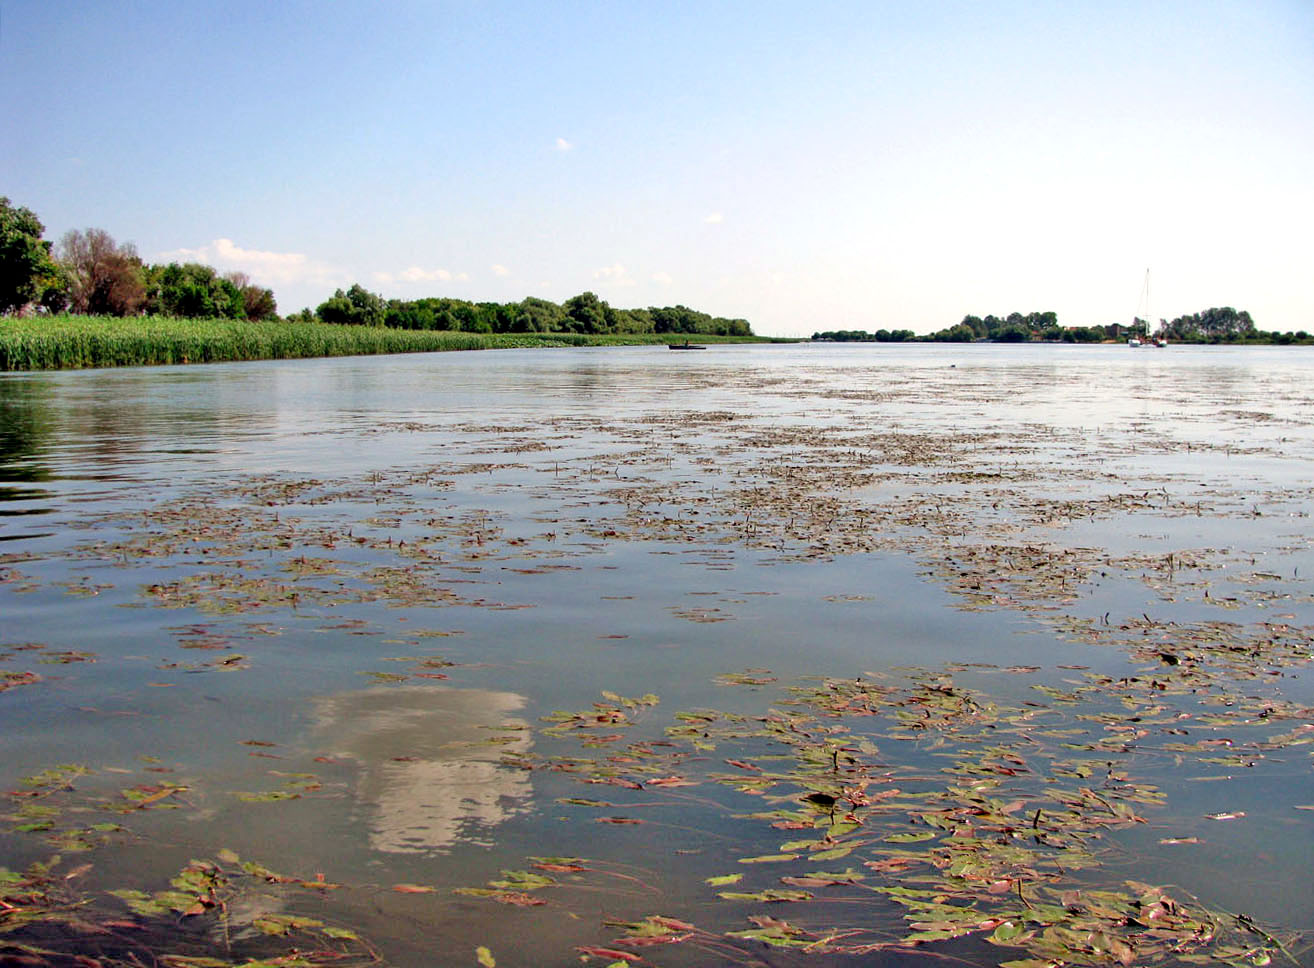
536, 315
105, 278
28, 274
408, 315
849, 336
54, 286
336, 309
588, 313
862, 336
1226, 322
357, 306
499, 316
628, 320
193, 291
1015, 328
977, 325
680, 319
959, 333
257, 302
472, 319
732, 327
369, 306
1220, 324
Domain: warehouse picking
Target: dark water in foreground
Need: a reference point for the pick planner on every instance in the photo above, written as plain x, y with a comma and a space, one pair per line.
324, 611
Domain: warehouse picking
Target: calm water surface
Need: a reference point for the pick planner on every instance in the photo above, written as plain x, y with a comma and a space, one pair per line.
351, 574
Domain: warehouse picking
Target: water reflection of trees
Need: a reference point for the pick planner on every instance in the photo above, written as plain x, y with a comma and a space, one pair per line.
115, 418
430, 758
25, 427
103, 422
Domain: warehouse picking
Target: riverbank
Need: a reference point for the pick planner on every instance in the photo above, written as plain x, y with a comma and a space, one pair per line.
78, 342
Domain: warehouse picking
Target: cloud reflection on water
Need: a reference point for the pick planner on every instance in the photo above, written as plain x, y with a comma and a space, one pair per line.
430, 757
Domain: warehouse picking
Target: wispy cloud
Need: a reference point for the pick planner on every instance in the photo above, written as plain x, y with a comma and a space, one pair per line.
615, 275
715, 218
420, 274
662, 278
263, 266
500, 270
563, 145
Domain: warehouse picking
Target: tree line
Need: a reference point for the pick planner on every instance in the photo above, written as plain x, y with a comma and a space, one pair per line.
89, 273
585, 313
1218, 325
1013, 328
862, 336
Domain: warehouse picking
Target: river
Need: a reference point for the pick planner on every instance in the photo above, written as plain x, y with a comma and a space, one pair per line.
846, 619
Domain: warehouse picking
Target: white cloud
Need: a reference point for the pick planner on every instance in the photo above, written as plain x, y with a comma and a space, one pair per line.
615, 275
500, 270
716, 218
662, 278
563, 145
262, 266
417, 274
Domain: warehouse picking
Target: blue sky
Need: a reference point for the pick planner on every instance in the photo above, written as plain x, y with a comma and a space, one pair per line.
807, 166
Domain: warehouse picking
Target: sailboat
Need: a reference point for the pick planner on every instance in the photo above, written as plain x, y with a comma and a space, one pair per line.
1144, 307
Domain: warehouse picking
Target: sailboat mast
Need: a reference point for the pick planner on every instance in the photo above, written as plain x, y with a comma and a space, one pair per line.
1145, 303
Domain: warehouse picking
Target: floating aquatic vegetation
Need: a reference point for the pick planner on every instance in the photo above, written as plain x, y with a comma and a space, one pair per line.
749, 677
203, 919
41, 654
615, 712
1004, 839
46, 918
11, 680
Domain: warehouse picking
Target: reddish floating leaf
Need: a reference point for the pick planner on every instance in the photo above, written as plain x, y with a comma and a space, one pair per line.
615, 953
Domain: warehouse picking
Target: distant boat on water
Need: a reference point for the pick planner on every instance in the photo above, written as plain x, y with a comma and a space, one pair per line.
1144, 307
686, 345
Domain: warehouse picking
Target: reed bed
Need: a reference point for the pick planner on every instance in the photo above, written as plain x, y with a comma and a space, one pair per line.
72, 342
68, 342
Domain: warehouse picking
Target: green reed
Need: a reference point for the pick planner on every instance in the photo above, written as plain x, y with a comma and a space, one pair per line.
65, 342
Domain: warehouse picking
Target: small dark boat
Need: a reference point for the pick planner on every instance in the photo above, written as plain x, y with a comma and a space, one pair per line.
686, 345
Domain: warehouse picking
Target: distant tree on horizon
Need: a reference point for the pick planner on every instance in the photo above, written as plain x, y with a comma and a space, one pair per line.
257, 301
1219, 323
1014, 328
586, 313
356, 306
